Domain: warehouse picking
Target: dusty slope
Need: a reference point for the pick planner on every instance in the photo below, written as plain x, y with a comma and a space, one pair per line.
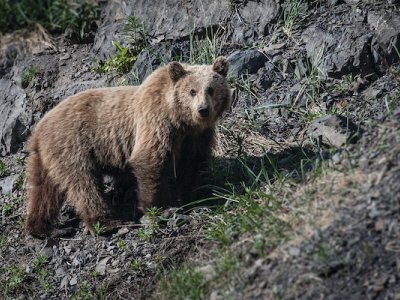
304, 218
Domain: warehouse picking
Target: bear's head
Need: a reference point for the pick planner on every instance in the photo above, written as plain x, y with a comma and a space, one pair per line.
200, 92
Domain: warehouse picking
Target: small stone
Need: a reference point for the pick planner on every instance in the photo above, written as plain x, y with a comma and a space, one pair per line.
76, 262
334, 130
60, 271
65, 56
64, 282
67, 249
47, 251
252, 271
208, 272
7, 184
101, 265
294, 251
336, 158
380, 225
122, 231
73, 280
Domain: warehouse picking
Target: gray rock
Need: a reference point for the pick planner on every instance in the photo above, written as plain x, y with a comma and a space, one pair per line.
145, 64
386, 36
164, 20
7, 184
73, 280
339, 50
294, 251
174, 20
15, 117
101, 265
122, 231
245, 62
333, 130
252, 18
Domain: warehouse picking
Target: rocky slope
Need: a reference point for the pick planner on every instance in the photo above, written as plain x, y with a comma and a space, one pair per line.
305, 180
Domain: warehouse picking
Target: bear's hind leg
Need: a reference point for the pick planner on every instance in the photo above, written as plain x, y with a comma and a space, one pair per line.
44, 197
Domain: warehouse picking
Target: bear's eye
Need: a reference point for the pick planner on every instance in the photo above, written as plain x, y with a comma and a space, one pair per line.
193, 93
210, 91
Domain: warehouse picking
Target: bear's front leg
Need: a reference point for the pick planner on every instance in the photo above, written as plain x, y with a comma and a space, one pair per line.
147, 170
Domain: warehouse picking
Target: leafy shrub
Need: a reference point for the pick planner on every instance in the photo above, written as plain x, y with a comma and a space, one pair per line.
54, 15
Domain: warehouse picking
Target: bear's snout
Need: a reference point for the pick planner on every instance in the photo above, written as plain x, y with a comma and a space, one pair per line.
204, 111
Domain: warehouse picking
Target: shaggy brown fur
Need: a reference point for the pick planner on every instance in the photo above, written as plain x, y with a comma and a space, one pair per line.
167, 122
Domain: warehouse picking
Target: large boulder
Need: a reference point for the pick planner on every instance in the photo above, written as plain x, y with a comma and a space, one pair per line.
339, 50
386, 41
176, 20
15, 118
353, 41
246, 62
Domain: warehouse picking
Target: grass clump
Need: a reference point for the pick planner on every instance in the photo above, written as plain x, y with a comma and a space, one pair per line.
121, 63
136, 37
4, 171
186, 283
10, 207
152, 228
203, 51
98, 228
54, 15
293, 13
14, 280
39, 267
29, 75
84, 292
3, 241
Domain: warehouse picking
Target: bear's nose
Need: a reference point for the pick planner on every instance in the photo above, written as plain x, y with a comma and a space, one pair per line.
204, 111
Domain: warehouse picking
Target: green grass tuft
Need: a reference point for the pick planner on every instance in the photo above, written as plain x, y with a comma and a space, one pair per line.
4, 171
54, 15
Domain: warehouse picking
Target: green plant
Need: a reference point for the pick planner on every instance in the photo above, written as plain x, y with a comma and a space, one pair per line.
79, 16
84, 293
136, 33
3, 241
54, 15
20, 182
137, 264
4, 171
29, 75
98, 228
293, 14
154, 214
152, 228
391, 103
137, 39
10, 206
44, 280
39, 266
40, 261
122, 245
186, 283
16, 279
19, 161
203, 51
346, 83
121, 63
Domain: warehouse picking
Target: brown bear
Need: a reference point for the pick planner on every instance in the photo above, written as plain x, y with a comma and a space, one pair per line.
165, 124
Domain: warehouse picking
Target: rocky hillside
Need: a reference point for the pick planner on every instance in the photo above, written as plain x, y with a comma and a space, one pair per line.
302, 198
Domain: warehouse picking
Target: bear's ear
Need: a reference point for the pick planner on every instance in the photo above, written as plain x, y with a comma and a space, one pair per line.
176, 71
221, 66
